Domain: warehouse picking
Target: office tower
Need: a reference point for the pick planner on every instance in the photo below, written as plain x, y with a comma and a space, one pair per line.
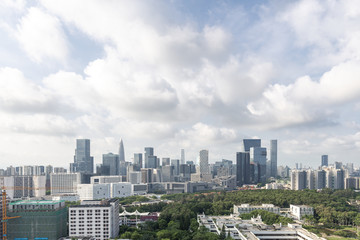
185, 172
112, 161
349, 167
102, 170
152, 162
258, 155
121, 151
324, 161
64, 182
165, 161
338, 165
249, 143
138, 159
106, 213
298, 179
83, 162
204, 161
149, 151
242, 168
182, 156
39, 219
296, 166
273, 158
176, 164
167, 173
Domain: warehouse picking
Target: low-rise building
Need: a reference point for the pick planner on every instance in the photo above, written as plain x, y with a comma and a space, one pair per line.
247, 208
299, 211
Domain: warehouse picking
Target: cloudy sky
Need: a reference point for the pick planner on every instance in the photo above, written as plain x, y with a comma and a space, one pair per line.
179, 74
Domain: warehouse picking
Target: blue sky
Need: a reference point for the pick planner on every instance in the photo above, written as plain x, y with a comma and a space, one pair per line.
179, 74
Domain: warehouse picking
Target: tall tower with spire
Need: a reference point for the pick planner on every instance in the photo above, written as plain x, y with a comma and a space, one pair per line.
121, 151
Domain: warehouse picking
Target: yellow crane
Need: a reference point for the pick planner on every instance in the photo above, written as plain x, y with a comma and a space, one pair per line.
5, 218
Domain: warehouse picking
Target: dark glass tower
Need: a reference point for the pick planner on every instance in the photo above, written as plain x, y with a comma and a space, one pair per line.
83, 162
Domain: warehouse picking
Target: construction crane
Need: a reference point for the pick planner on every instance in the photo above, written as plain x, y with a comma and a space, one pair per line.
5, 218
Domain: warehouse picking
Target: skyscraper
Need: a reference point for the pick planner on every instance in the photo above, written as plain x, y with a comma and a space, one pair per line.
258, 156
324, 160
249, 143
273, 158
112, 161
138, 159
83, 162
182, 156
149, 151
204, 161
242, 168
121, 151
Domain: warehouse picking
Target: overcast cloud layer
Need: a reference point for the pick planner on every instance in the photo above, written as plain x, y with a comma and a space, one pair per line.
179, 74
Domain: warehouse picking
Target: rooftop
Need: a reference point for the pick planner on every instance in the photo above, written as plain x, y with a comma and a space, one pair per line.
36, 202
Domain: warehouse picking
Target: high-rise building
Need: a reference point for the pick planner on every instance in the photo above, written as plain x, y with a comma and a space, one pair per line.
324, 161
273, 158
83, 162
249, 143
121, 151
298, 179
165, 161
242, 168
204, 161
138, 159
149, 151
258, 156
182, 156
176, 164
112, 161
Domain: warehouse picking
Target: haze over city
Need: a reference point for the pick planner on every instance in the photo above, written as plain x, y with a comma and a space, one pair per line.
179, 75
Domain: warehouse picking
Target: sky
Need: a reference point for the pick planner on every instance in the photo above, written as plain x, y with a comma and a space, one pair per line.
176, 74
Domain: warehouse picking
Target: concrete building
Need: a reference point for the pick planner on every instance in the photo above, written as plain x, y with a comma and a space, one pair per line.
247, 208
64, 182
298, 179
38, 220
204, 162
121, 151
99, 219
105, 179
299, 211
24, 186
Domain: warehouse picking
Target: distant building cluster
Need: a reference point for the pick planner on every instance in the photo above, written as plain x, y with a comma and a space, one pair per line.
336, 176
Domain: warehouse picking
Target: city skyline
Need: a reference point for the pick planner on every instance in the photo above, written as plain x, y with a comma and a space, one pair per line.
179, 75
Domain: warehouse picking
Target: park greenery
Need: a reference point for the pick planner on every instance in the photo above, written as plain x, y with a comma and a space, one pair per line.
178, 220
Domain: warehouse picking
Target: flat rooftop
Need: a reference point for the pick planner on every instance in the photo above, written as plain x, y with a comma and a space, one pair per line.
36, 202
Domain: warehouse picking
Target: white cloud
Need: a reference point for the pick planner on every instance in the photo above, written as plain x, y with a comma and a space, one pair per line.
41, 36
306, 100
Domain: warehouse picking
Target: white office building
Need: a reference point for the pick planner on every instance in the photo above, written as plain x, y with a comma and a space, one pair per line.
299, 211
64, 182
247, 208
99, 219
